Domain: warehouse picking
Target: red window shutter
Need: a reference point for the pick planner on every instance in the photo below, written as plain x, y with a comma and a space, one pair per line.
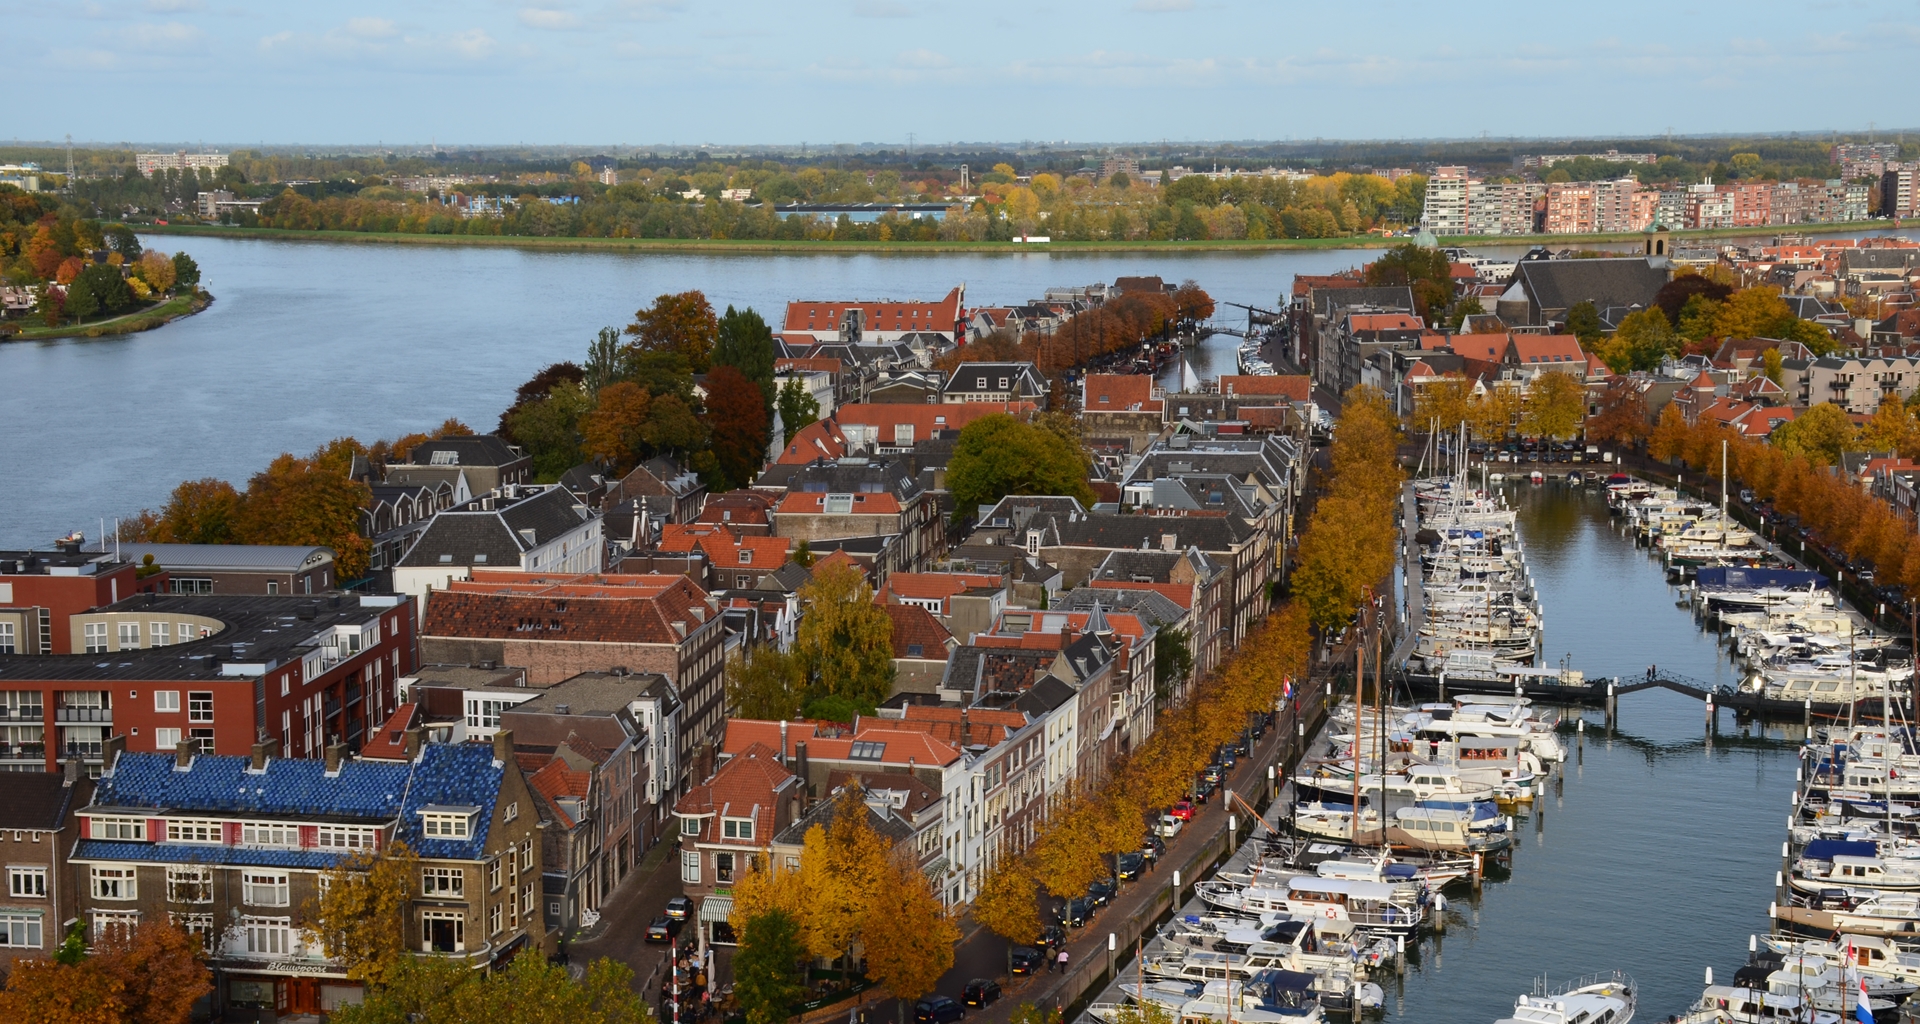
309, 836
156, 829
230, 833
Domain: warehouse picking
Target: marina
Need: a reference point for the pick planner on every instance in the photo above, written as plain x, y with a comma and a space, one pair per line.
1594, 852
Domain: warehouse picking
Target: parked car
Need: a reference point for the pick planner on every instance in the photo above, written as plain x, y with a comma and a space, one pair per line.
980, 992
1151, 848
1204, 789
1170, 826
1076, 912
1051, 935
662, 929
1127, 866
1102, 890
680, 908
1182, 809
937, 1010
1213, 773
1026, 960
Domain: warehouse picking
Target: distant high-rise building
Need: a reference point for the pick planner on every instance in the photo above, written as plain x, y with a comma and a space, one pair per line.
1446, 205
151, 162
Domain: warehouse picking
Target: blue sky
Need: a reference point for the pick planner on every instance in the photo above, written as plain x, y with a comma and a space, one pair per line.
641, 72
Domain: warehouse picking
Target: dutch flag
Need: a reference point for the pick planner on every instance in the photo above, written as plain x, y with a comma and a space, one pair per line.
1862, 1010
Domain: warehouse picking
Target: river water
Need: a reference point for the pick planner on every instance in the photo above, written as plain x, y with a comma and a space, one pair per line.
1656, 851
309, 341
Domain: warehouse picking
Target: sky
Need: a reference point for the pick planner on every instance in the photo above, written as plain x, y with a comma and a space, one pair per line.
1067, 72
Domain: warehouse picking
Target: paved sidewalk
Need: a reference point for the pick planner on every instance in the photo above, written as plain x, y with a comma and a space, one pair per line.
621, 933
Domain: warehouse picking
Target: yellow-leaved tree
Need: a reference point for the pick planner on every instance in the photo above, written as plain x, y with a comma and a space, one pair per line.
907, 934
360, 916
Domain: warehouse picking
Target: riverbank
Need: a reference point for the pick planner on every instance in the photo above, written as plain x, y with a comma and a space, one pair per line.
139, 320
788, 247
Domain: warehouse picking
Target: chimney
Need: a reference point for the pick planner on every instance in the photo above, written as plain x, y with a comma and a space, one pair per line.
800, 769
111, 751
70, 772
1167, 542
783, 743
183, 754
336, 753
965, 729
264, 751
503, 746
415, 737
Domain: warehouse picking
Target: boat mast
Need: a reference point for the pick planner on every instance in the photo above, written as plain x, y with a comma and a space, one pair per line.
1359, 719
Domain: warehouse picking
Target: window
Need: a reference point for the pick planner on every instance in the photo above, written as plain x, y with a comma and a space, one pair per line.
165, 701
96, 634
345, 837
20, 931
27, 882
445, 826
526, 898
202, 740
442, 882
115, 884
119, 828
513, 810
189, 585
190, 885
736, 828
199, 926
264, 888
867, 750
261, 833
6, 638
493, 875
162, 633
199, 705
526, 855
166, 741
443, 931
106, 921
496, 919
189, 830
690, 866
129, 635
268, 936
723, 867
485, 714
273, 587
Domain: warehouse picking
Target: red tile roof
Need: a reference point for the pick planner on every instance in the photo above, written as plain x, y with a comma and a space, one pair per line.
1292, 387
1485, 347
725, 548
901, 744
746, 785
800, 503
838, 557
557, 781
880, 316
942, 585
914, 626
824, 364
1383, 322
819, 439
1119, 392
663, 616
1179, 593
924, 419
1529, 349
389, 743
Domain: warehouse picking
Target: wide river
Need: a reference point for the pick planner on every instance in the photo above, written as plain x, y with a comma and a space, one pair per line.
1655, 853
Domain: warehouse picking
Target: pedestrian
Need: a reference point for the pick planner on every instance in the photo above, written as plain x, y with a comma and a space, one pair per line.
1063, 958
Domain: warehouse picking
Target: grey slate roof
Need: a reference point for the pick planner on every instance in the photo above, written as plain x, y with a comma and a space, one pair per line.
1326, 300
468, 531
275, 558
37, 800
476, 450
1563, 284
1150, 606
1107, 530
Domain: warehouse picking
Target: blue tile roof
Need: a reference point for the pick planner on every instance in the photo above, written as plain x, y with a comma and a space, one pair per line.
180, 853
447, 774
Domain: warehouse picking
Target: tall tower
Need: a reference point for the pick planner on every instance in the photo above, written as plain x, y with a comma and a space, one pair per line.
69, 163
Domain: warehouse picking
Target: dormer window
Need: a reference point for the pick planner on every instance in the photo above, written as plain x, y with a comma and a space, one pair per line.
736, 828
444, 458
746, 556
447, 822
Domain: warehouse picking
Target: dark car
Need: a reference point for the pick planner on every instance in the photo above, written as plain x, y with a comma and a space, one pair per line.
1102, 890
1213, 773
1076, 912
1128, 866
1204, 789
1151, 848
680, 908
937, 1010
1026, 960
662, 929
1051, 935
980, 992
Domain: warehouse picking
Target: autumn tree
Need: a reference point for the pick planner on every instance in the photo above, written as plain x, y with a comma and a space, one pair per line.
536, 389
682, 324
158, 969
1008, 900
298, 502
360, 916
1442, 405
1490, 413
49, 992
763, 683
998, 455
844, 645
1644, 338
1819, 434
908, 935
612, 433
431, 990
798, 408
199, 512
1622, 418
1556, 404
737, 414
1892, 429
765, 968
1669, 436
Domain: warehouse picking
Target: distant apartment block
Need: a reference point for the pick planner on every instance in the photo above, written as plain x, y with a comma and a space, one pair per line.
1459, 204
1610, 156
148, 163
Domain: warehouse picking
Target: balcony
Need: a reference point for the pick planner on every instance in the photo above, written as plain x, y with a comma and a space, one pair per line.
100, 716
36, 752
35, 713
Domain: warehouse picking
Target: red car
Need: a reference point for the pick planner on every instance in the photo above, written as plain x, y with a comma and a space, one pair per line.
1183, 810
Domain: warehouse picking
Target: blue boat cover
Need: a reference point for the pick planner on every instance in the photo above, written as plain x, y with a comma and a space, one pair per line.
1402, 871
1296, 980
1827, 849
1739, 577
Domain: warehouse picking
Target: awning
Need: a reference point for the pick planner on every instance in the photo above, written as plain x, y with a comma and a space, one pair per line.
716, 908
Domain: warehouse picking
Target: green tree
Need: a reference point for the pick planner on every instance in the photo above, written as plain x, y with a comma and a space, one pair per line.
745, 342
186, 273
1172, 659
549, 429
763, 683
797, 408
1820, 434
844, 644
80, 302
1643, 340
1426, 272
1583, 320
998, 455
765, 968
430, 990
604, 360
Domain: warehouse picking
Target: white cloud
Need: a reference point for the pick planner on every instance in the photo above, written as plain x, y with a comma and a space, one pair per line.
881, 9
548, 18
371, 28
1162, 6
173, 6
922, 59
170, 35
474, 43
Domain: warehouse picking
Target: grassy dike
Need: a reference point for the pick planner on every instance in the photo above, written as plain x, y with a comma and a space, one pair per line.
140, 320
781, 247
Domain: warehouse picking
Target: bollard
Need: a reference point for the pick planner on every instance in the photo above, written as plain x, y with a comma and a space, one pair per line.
1806, 715
1753, 943
1713, 721
1477, 869
1273, 786
1443, 686
1612, 706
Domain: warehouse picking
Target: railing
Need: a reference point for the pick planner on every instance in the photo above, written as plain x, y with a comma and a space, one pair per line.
24, 752
24, 713
102, 715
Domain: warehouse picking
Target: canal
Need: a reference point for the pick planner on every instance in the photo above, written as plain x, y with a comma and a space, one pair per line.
1655, 852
